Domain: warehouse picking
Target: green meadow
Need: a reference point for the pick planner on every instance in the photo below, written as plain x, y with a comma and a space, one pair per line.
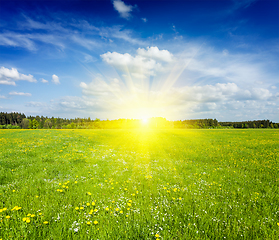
139, 184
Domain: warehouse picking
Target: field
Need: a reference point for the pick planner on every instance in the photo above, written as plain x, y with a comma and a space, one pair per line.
139, 184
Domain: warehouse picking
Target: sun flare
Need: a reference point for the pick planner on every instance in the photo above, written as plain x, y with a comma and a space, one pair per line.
144, 120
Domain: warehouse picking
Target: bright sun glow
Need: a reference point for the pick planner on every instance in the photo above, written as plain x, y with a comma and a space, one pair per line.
144, 120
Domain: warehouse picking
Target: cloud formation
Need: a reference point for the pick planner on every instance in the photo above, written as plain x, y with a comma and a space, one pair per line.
123, 9
55, 79
10, 76
20, 94
143, 65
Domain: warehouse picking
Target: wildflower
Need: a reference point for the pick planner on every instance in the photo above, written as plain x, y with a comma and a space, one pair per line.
8, 217
81, 208
116, 209
32, 215
45, 222
157, 235
77, 208
121, 211
27, 220
106, 208
87, 204
88, 223
93, 203
278, 223
89, 193
95, 222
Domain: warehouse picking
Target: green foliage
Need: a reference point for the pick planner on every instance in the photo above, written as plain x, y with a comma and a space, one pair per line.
25, 123
179, 184
48, 124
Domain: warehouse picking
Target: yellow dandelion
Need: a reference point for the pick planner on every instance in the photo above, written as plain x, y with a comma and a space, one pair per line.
8, 217
106, 208
77, 208
45, 222
32, 215
81, 208
121, 211
93, 203
157, 235
27, 220
88, 223
87, 204
95, 222
116, 209
24, 219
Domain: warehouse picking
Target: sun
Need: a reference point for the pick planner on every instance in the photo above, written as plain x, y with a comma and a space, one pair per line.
144, 120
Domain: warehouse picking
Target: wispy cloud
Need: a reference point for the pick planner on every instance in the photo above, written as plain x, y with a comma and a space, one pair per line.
20, 94
64, 35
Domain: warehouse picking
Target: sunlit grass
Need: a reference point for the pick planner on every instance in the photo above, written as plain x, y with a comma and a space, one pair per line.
139, 184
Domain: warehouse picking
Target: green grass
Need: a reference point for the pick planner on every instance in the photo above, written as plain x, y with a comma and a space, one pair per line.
179, 184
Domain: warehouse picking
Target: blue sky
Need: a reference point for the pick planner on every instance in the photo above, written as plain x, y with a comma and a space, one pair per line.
138, 59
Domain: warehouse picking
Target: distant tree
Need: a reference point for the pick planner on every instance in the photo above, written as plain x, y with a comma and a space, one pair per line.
25, 123
48, 124
34, 124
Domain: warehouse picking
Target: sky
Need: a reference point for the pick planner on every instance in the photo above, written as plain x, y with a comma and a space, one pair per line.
112, 59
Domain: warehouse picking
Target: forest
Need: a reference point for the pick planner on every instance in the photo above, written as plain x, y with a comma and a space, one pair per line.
16, 120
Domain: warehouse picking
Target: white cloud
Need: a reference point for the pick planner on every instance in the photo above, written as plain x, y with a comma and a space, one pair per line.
55, 79
6, 82
130, 65
146, 63
144, 19
123, 9
156, 54
9, 76
3, 97
20, 94
44, 81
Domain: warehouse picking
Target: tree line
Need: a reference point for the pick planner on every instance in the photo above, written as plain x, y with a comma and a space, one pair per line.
16, 120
